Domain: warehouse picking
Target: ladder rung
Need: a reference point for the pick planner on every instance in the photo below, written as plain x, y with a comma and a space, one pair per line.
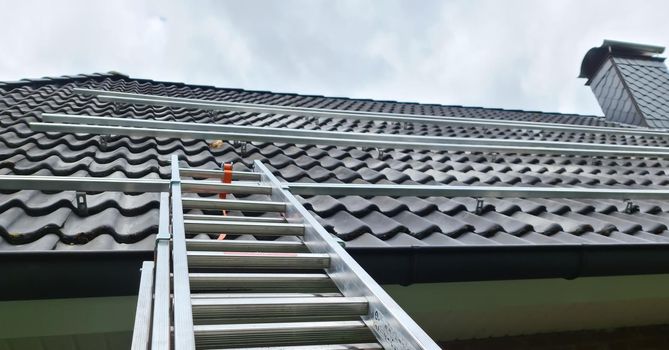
196, 186
238, 245
245, 310
273, 334
242, 227
262, 282
210, 173
262, 295
233, 204
359, 346
259, 260
278, 307
232, 218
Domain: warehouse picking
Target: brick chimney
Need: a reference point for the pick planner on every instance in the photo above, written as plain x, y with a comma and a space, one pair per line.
630, 81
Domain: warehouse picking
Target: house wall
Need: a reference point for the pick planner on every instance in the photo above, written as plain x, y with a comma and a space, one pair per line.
634, 338
479, 310
67, 324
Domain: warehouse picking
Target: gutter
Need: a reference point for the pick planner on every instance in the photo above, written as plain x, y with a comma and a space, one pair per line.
79, 274
70, 274
421, 264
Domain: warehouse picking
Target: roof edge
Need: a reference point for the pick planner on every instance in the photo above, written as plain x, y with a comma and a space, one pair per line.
11, 85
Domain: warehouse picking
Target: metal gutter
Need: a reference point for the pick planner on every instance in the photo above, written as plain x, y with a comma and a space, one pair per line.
155, 100
71, 274
51, 274
428, 264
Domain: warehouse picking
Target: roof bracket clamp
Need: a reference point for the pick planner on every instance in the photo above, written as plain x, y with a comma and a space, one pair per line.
380, 153
104, 141
82, 205
116, 107
242, 145
630, 207
479, 206
212, 116
242, 148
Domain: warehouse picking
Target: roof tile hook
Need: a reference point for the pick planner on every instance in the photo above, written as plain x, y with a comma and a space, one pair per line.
82, 205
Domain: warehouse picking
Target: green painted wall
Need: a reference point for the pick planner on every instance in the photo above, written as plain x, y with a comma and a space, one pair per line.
447, 311
467, 310
56, 317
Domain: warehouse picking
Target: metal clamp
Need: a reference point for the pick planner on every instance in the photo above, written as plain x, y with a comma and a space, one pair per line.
104, 141
242, 148
479, 206
212, 115
630, 207
380, 153
82, 205
116, 107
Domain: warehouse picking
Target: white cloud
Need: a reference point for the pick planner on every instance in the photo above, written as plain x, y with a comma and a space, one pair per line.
511, 54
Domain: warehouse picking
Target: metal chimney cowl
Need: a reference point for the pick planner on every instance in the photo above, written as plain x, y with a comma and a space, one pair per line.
630, 82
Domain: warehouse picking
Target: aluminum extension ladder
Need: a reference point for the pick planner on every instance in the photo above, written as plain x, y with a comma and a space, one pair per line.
304, 292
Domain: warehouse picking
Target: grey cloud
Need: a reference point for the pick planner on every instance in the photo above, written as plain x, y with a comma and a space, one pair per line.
511, 54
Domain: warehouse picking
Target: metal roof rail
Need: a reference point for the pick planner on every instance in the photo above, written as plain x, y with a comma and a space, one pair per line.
394, 190
97, 184
110, 121
135, 127
156, 100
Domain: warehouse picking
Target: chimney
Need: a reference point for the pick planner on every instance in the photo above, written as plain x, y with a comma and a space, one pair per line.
630, 81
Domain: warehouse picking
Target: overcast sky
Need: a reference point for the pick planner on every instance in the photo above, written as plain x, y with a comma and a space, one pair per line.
506, 54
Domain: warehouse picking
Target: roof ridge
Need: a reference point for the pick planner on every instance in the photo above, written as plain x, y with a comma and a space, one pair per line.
364, 99
10, 85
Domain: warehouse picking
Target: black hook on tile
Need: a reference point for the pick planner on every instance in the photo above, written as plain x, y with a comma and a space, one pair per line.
630, 207
242, 149
82, 205
380, 153
104, 141
479, 206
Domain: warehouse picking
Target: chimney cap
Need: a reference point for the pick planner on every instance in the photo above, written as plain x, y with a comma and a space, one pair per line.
595, 57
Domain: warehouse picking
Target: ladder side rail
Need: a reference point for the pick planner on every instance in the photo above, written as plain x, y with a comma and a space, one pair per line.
142, 329
184, 337
391, 325
161, 335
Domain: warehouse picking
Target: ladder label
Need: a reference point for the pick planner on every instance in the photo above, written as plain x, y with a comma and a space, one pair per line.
389, 338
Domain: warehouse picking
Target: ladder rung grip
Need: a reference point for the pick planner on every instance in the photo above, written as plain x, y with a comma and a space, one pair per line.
241, 227
260, 260
219, 187
358, 346
232, 218
262, 282
239, 245
233, 204
262, 295
273, 334
211, 173
278, 307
